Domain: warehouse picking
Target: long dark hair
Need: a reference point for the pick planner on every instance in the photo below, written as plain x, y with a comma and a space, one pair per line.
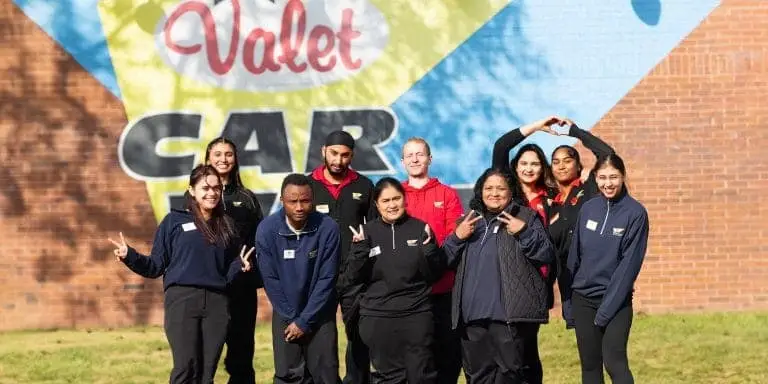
514, 187
545, 180
234, 174
219, 229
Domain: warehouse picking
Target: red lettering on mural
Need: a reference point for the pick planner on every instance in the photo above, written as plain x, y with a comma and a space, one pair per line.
324, 47
211, 43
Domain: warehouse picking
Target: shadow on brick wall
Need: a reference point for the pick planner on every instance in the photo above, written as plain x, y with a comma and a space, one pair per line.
62, 190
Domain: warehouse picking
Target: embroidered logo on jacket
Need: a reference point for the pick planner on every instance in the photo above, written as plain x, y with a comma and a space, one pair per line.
356, 195
412, 243
313, 253
591, 225
618, 232
237, 203
438, 204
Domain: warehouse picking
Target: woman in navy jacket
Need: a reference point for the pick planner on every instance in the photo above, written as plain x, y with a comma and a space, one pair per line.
607, 252
195, 252
397, 259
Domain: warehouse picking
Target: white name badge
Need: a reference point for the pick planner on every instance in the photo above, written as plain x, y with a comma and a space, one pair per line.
188, 227
591, 225
375, 251
289, 254
322, 208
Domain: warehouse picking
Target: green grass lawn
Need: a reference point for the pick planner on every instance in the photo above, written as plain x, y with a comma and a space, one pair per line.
714, 348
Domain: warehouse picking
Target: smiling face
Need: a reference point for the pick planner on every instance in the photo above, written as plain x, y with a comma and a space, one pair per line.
391, 204
207, 193
529, 168
222, 157
610, 181
496, 193
416, 159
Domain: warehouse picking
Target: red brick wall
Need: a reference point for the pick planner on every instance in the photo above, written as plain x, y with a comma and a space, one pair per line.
692, 133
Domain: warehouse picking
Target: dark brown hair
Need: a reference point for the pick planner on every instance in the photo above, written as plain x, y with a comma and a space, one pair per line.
234, 175
219, 229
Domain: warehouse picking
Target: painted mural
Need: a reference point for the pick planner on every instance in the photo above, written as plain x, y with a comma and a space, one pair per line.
277, 75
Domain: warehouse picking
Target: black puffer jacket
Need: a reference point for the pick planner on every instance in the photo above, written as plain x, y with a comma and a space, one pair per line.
524, 291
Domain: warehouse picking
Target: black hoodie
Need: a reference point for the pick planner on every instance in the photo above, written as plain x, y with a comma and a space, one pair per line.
396, 266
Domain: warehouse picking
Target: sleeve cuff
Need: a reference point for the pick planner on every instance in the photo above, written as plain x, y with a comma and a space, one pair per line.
523, 231
302, 324
600, 320
131, 257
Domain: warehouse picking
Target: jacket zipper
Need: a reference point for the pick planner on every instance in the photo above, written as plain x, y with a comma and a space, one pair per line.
393, 236
605, 220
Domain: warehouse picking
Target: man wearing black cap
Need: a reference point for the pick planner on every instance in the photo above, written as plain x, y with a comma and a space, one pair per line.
345, 195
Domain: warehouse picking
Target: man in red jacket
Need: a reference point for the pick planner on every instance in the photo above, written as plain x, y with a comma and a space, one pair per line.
439, 205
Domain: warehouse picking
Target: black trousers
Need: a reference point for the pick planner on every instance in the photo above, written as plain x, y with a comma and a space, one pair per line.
497, 353
356, 356
196, 322
600, 346
401, 348
312, 359
447, 346
243, 308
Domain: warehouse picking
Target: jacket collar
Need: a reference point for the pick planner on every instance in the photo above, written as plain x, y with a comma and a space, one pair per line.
313, 223
618, 199
397, 222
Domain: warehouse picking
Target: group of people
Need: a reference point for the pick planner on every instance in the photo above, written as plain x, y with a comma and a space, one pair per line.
426, 289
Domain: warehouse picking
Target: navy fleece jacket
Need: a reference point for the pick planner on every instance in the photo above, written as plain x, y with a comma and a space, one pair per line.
182, 255
299, 270
607, 252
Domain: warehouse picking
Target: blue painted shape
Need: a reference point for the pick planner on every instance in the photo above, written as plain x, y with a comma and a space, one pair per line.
575, 58
649, 11
75, 25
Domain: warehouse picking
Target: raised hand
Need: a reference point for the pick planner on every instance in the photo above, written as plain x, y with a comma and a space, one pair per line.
357, 235
466, 228
429, 234
245, 258
513, 224
121, 248
546, 125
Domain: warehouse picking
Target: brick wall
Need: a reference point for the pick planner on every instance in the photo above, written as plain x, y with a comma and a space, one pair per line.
692, 133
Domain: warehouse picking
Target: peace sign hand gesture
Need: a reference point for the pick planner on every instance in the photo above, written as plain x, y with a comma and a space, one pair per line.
121, 250
245, 258
513, 224
467, 226
359, 235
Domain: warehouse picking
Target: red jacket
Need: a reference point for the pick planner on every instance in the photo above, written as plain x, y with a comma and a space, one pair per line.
439, 206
